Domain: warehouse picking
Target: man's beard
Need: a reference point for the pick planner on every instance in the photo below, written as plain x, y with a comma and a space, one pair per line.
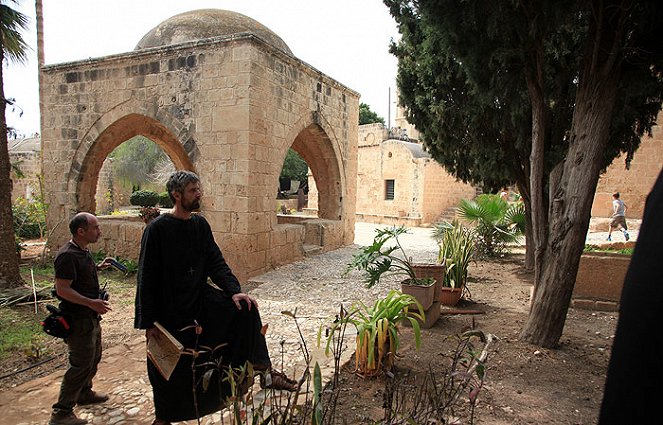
191, 206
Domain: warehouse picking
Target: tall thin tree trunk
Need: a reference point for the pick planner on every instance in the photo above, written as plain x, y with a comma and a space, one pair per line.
569, 217
538, 216
574, 189
10, 275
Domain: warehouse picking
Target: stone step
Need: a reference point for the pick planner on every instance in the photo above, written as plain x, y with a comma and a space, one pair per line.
310, 250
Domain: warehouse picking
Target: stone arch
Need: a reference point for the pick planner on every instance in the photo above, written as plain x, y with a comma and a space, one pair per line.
104, 137
314, 140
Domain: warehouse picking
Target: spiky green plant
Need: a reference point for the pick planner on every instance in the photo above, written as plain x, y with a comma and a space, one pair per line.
497, 222
377, 330
456, 248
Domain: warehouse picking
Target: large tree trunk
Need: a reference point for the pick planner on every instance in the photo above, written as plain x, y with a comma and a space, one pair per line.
9, 272
573, 192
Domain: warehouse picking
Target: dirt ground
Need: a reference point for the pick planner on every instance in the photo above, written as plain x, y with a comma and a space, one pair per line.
524, 384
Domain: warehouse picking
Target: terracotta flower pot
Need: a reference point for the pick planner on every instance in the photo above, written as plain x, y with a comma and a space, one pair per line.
450, 296
424, 294
435, 271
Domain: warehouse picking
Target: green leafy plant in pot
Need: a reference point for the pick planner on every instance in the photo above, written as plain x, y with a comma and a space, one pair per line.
379, 260
456, 250
377, 340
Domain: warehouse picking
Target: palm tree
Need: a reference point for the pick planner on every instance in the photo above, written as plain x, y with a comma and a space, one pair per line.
497, 222
13, 48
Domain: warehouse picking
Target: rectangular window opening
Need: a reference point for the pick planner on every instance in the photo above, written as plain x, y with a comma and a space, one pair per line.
389, 190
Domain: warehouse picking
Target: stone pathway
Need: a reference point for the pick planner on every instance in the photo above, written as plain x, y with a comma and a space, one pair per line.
313, 289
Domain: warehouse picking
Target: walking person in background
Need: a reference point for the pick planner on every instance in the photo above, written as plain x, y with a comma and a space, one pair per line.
77, 287
618, 220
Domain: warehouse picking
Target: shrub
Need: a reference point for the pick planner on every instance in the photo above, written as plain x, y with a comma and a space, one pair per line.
165, 201
144, 198
497, 222
29, 218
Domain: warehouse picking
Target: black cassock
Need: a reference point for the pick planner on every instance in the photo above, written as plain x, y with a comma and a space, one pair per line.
633, 384
177, 257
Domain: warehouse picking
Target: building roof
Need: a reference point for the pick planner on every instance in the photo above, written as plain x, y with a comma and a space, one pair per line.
207, 23
417, 149
28, 144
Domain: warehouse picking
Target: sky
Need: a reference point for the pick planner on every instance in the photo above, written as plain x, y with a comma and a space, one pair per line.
347, 40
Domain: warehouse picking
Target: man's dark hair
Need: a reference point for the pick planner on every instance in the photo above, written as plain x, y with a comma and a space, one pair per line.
79, 220
178, 182
616, 195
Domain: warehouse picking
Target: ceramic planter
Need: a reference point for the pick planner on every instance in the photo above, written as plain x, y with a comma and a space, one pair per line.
450, 296
424, 294
435, 271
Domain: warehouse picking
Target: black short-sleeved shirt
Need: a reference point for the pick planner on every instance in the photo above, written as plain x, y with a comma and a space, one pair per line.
76, 264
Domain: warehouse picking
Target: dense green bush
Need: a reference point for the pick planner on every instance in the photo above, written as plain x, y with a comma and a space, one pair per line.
164, 200
144, 198
29, 218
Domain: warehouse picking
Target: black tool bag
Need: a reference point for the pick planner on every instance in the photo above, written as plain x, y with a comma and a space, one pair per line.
57, 324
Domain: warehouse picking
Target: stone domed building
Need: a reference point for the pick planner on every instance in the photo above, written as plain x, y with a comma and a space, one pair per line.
223, 96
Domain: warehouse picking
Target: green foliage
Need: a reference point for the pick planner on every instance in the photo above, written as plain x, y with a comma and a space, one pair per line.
377, 330
466, 90
12, 24
135, 160
594, 248
144, 198
294, 167
497, 222
29, 218
18, 331
456, 249
165, 201
366, 116
378, 260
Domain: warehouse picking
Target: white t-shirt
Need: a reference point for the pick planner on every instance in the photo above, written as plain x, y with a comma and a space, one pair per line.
618, 208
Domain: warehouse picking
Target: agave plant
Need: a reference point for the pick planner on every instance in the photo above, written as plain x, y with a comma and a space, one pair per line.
497, 222
456, 249
377, 330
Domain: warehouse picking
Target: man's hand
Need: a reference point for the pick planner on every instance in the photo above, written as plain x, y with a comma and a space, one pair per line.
99, 306
104, 264
151, 333
246, 297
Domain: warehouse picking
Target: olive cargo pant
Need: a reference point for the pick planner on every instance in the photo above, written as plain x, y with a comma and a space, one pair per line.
84, 344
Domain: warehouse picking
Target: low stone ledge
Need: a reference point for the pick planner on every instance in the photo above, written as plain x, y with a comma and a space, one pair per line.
600, 280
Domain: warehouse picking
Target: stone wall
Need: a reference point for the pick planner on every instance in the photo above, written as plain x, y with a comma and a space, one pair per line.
635, 183
30, 165
227, 108
600, 280
423, 190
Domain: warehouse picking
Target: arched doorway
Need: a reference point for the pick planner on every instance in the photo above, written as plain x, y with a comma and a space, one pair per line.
115, 134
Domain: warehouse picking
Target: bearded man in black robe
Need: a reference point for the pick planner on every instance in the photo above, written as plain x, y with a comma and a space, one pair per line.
178, 255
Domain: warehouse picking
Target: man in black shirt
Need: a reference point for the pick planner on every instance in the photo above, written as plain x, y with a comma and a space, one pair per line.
178, 254
77, 286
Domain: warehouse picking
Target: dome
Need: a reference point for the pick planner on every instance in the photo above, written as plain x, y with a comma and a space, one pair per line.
207, 23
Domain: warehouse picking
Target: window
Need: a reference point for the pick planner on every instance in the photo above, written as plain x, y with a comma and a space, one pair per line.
389, 190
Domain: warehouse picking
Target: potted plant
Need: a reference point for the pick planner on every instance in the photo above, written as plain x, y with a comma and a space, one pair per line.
377, 339
378, 261
456, 249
